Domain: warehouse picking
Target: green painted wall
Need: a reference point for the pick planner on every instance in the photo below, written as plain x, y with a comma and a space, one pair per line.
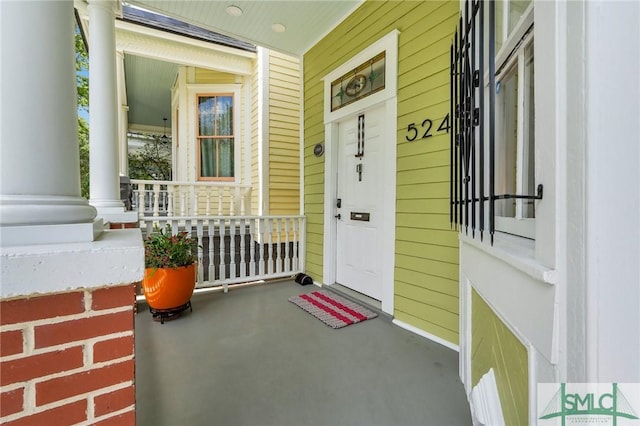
494, 346
426, 273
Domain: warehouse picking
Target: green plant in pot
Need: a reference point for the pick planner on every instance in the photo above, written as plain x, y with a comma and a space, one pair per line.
164, 250
170, 273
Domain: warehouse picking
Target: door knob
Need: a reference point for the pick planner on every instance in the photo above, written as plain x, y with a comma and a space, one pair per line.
338, 216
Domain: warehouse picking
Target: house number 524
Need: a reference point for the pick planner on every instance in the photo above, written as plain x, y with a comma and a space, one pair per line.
426, 129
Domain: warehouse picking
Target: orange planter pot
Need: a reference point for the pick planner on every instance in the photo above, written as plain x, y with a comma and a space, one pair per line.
168, 288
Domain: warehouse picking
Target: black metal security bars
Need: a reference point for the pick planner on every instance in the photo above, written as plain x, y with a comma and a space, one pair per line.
467, 190
467, 133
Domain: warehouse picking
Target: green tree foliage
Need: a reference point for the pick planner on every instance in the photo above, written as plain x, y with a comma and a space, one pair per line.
82, 84
152, 161
83, 139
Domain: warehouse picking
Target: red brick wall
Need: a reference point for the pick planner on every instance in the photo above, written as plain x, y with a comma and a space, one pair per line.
67, 358
126, 225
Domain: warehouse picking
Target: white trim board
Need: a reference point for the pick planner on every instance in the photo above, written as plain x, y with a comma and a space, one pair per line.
426, 335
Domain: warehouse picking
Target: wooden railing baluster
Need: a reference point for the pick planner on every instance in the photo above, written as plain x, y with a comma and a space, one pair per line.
252, 248
278, 251
232, 248
275, 246
243, 266
221, 267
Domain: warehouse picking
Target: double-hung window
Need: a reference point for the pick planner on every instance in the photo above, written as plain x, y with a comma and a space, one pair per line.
514, 117
215, 137
493, 184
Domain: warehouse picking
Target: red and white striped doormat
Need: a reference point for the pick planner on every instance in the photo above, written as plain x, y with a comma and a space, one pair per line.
333, 310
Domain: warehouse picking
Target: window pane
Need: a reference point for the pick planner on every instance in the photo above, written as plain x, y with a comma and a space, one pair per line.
215, 115
506, 138
507, 15
206, 115
208, 157
226, 157
224, 116
499, 29
516, 10
528, 166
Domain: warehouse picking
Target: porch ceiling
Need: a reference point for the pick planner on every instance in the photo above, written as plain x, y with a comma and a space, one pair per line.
306, 21
149, 77
149, 98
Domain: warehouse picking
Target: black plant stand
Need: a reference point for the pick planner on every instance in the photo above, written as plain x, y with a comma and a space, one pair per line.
169, 314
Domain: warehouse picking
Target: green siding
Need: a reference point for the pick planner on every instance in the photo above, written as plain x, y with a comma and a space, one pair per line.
494, 346
204, 76
426, 270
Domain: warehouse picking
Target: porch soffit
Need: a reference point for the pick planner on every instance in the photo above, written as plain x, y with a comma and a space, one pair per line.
149, 43
175, 26
306, 21
151, 65
148, 87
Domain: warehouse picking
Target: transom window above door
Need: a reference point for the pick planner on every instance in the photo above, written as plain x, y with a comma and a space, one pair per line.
215, 136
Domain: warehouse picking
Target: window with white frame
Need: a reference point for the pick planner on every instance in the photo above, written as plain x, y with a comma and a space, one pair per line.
492, 136
215, 136
514, 117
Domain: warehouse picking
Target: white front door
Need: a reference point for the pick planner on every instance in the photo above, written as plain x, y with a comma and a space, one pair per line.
359, 191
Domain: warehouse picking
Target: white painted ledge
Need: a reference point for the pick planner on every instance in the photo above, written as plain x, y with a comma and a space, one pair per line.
515, 251
23, 235
119, 216
115, 257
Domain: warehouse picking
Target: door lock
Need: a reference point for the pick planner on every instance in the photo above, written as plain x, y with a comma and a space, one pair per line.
338, 216
339, 203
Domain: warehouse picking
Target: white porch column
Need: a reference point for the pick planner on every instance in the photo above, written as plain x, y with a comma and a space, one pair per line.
123, 121
49, 253
611, 194
39, 162
104, 110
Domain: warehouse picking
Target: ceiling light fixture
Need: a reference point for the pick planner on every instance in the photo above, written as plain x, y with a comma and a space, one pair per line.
278, 28
164, 138
233, 10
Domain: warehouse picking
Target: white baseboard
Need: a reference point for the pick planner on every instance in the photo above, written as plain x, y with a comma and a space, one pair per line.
426, 335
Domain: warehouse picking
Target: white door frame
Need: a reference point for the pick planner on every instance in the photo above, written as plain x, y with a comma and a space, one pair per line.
388, 99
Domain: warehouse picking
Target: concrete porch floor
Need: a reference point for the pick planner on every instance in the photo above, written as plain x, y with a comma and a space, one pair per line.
250, 357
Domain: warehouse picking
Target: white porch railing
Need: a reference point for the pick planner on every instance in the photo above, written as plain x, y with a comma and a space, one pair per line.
169, 198
240, 249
